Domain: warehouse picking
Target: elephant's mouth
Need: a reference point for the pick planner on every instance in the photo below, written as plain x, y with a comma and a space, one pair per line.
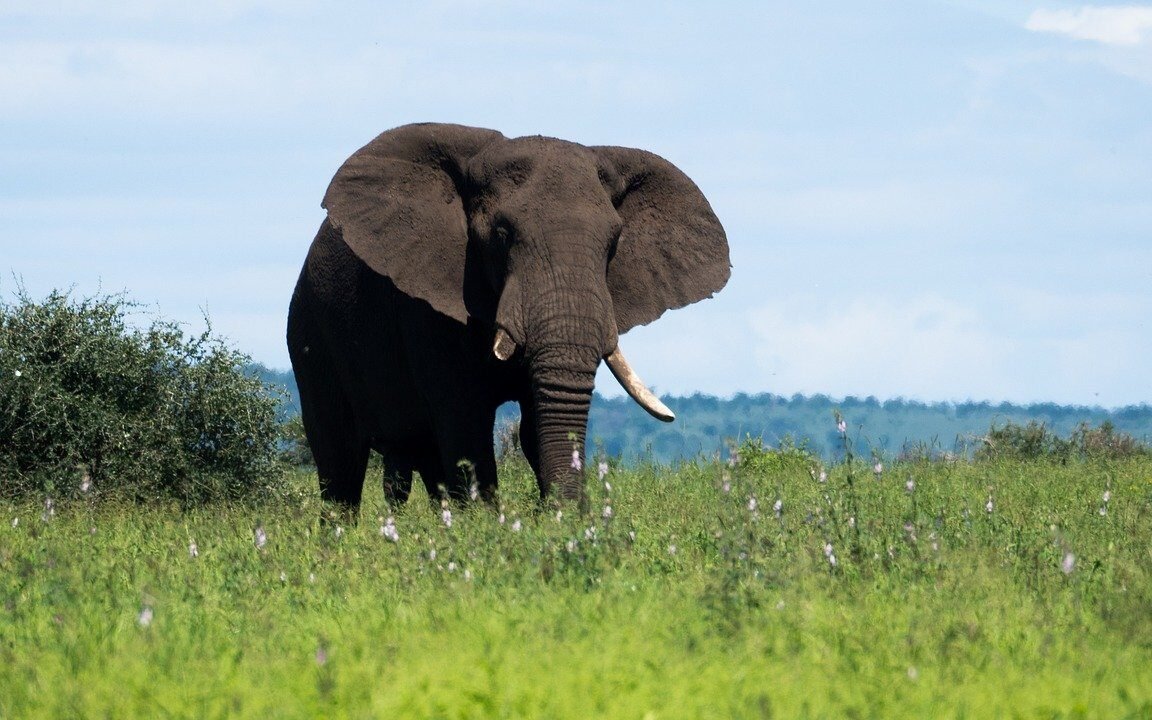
504, 347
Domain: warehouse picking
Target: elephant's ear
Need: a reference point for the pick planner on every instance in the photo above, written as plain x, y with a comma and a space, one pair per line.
672, 250
397, 202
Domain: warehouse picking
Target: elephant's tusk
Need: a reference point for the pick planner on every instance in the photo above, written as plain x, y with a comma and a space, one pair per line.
632, 383
504, 345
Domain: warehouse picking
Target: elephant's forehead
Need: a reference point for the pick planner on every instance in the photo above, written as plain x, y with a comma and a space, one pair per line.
518, 159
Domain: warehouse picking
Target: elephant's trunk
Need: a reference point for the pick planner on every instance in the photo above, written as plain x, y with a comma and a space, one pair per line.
563, 378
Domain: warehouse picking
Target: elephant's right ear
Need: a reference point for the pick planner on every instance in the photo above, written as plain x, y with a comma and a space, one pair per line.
397, 202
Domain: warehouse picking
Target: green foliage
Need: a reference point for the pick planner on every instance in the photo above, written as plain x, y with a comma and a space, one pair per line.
1034, 441
90, 405
927, 589
755, 456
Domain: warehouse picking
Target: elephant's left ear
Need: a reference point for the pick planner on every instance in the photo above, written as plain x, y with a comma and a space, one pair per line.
672, 250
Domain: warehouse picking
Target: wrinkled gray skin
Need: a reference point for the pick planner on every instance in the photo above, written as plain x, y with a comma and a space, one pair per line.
439, 237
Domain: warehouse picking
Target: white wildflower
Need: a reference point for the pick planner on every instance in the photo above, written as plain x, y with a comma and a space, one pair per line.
601, 470
388, 529
841, 426
516, 525
671, 549
260, 537
144, 619
1068, 563
577, 461
778, 508
828, 553
446, 517
910, 485
989, 506
607, 514
193, 550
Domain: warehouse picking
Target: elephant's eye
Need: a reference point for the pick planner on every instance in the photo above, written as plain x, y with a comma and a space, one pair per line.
502, 233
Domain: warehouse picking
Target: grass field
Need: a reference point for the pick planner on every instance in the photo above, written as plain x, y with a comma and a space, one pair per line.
990, 590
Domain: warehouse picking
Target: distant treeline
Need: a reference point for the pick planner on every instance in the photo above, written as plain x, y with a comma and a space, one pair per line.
704, 424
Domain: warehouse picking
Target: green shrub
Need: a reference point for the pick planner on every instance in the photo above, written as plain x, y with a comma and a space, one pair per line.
90, 405
1107, 442
753, 455
1034, 441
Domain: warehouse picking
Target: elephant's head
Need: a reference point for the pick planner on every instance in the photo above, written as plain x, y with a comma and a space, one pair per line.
555, 247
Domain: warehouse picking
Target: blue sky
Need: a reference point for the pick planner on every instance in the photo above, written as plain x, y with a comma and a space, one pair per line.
932, 200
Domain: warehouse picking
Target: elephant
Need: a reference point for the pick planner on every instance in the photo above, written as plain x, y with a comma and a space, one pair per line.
458, 269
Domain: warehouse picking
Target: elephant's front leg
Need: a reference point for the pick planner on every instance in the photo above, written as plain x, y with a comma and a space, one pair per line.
467, 457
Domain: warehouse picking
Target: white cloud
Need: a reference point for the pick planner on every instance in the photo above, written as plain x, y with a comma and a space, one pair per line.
1110, 25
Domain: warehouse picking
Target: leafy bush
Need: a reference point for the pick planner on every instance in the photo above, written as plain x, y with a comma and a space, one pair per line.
753, 455
91, 405
1107, 442
1035, 441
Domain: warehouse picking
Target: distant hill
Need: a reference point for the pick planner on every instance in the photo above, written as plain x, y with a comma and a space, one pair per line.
619, 428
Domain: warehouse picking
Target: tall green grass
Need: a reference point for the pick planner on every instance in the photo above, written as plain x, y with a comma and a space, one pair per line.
1000, 589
